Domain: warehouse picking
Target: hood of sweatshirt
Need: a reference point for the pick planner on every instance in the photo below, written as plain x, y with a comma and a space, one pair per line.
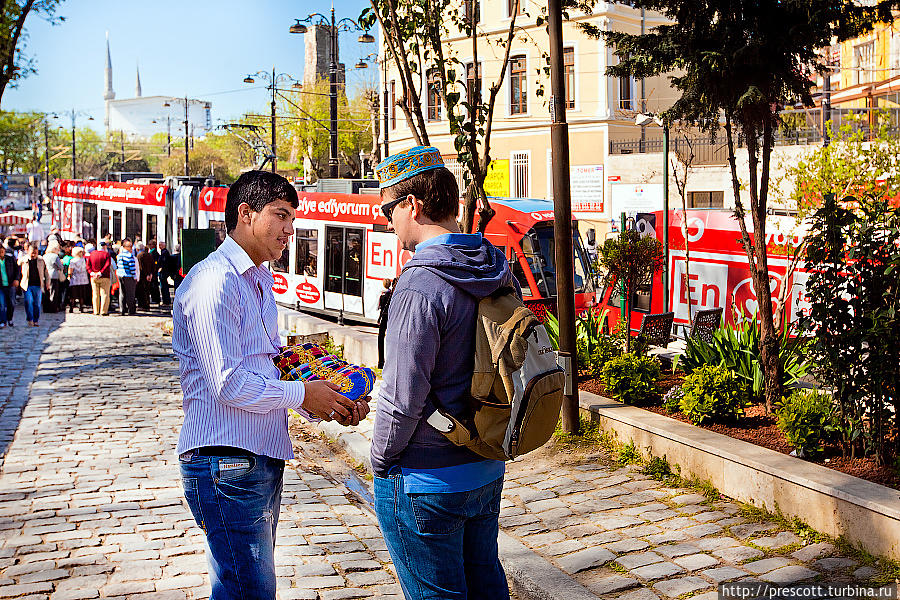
479, 270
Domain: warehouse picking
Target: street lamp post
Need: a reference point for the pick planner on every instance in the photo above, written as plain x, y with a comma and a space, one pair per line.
334, 27
73, 114
273, 80
643, 120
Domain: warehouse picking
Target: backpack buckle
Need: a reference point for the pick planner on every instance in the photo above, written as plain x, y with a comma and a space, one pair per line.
440, 422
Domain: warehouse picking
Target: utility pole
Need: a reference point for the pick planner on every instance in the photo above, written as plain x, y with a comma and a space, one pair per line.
274, 153
73, 144
333, 98
46, 159
386, 153
562, 216
168, 135
187, 169
665, 215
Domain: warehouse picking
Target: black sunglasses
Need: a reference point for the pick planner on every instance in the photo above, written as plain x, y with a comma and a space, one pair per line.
388, 208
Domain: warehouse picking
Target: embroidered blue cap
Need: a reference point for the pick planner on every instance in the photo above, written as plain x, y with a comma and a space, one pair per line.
404, 165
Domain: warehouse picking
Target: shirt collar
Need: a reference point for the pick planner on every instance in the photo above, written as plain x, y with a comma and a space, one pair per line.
471, 240
236, 255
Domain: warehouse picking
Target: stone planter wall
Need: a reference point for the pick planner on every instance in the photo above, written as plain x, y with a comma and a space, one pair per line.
865, 513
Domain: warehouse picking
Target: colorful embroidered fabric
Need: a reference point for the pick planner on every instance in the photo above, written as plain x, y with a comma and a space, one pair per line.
309, 362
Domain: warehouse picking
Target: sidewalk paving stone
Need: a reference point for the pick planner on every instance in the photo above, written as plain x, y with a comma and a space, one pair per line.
90, 487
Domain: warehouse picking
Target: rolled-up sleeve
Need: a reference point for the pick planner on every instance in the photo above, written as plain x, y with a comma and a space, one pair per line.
213, 323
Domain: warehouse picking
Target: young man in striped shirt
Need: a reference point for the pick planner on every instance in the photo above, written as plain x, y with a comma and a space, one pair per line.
234, 440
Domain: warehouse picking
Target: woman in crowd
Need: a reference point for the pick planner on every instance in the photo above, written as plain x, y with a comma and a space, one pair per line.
53, 260
79, 283
35, 282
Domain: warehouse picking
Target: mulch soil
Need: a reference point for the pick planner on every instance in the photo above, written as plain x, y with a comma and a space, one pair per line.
758, 428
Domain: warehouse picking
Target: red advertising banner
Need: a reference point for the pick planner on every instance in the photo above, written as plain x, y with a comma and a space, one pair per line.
350, 208
212, 199
111, 191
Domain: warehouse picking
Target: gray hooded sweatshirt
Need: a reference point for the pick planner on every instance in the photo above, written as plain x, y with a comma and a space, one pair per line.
430, 350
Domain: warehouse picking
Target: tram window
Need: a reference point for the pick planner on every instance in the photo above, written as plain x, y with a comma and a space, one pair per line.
117, 224
343, 260
219, 226
104, 223
134, 218
519, 273
353, 262
151, 227
334, 259
281, 264
89, 221
307, 251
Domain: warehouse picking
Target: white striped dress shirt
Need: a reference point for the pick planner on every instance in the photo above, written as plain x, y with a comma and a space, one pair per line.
225, 335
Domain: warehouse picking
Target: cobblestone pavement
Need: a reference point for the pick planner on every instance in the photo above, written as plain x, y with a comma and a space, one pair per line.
90, 498
27, 342
91, 504
626, 536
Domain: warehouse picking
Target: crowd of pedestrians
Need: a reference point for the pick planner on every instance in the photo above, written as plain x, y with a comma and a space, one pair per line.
48, 274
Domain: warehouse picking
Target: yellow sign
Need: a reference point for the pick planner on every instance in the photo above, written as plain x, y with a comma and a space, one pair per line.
497, 181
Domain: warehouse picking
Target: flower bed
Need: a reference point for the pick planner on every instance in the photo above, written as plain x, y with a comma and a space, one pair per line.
758, 428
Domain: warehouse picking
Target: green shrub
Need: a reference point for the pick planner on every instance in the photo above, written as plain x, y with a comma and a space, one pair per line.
713, 393
606, 349
631, 378
737, 348
807, 418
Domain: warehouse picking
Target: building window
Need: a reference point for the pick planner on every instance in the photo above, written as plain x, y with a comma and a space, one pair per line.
864, 62
517, 86
625, 98
707, 199
393, 104
519, 175
434, 95
569, 69
512, 5
477, 5
473, 84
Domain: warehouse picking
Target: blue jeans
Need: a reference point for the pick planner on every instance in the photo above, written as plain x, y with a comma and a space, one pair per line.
7, 302
235, 501
33, 303
444, 546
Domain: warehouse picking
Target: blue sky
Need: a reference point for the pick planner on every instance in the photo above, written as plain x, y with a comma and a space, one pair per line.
202, 48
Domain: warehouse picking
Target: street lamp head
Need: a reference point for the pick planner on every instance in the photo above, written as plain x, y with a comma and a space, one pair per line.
643, 120
90, 118
248, 79
367, 38
361, 64
298, 27
166, 105
297, 85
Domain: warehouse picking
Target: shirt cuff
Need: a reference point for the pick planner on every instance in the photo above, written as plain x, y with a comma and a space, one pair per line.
294, 394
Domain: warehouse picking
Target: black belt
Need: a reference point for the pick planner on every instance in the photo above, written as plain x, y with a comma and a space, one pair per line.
221, 451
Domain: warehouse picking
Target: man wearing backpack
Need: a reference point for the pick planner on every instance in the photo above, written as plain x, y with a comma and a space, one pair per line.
437, 503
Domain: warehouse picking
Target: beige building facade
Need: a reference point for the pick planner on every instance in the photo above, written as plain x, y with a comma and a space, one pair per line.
600, 109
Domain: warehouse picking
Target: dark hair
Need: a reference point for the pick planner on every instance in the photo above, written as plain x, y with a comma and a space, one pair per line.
256, 189
436, 188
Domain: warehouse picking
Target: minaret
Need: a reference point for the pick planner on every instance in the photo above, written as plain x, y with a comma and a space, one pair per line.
137, 82
109, 94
